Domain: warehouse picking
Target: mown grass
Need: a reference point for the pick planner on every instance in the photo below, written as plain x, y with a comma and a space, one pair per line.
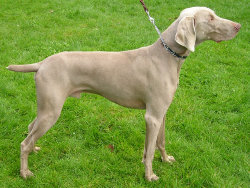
207, 126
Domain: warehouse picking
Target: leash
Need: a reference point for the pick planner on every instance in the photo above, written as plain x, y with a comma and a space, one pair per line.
159, 33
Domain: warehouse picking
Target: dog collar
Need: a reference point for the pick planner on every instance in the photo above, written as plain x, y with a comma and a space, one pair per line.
170, 50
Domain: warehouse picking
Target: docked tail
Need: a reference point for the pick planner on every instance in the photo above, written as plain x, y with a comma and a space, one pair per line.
25, 68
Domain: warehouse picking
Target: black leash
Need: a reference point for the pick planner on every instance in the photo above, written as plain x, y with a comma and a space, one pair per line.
158, 31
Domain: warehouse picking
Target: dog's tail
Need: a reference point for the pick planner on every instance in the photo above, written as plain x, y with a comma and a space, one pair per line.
25, 68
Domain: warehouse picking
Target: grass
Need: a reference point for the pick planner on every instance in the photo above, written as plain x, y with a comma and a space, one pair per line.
207, 126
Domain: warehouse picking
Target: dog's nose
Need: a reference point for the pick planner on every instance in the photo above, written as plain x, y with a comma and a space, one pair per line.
237, 26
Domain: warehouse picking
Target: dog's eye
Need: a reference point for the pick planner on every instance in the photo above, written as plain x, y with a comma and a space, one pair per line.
211, 18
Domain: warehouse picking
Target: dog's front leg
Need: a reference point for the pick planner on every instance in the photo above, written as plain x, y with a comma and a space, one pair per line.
153, 123
160, 143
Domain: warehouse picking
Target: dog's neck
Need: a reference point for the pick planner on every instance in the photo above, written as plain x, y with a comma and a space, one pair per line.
169, 37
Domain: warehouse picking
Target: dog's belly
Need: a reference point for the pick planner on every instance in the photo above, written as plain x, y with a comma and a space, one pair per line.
126, 101
129, 103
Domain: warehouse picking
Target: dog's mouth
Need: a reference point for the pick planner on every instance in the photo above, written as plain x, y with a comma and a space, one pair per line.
218, 41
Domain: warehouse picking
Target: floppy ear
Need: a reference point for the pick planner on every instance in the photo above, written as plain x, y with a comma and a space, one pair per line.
185, 35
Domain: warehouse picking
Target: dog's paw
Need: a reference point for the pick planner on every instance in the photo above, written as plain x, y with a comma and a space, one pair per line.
152, 177
26, 173
36, 149
168, 159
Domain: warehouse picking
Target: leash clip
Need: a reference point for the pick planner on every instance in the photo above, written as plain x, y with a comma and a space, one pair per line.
152, 20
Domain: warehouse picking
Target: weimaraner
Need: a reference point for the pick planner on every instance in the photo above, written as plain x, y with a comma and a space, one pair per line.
145, 78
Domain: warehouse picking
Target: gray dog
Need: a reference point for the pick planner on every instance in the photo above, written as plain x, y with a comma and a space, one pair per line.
145, 78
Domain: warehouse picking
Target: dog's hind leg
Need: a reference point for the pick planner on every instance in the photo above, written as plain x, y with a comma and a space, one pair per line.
49, 108
31, 125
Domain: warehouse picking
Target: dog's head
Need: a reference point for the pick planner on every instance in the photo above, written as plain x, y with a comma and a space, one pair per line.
199, 24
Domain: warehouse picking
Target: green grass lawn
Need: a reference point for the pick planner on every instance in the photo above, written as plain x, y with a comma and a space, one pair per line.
207, 125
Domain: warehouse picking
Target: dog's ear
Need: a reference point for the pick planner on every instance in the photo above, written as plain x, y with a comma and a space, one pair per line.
185, 35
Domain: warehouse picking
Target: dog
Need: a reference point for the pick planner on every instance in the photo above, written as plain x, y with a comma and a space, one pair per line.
144, 78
